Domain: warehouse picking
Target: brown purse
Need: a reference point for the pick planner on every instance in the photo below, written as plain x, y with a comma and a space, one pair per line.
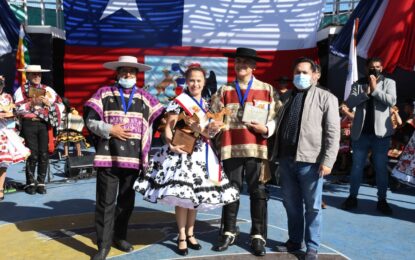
180, 137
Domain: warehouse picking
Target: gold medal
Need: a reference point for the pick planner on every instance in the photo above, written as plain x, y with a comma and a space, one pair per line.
126, 120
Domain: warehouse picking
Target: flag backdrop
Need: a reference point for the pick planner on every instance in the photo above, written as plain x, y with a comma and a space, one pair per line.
352, 75
9, 29
386, 30
10, 45
170, 34
22, 58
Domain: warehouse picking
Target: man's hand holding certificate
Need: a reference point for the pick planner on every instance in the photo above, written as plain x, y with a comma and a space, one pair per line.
255, 117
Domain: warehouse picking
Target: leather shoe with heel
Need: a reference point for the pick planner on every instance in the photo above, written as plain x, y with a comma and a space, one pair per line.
228, 239
102, 254
30, 189
196, 246
41, 189
258, 246
123, 245
183, 251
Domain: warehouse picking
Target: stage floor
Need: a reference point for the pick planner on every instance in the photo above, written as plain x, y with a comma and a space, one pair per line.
59, 225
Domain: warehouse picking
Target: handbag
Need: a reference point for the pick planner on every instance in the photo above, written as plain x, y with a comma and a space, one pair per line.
180, 137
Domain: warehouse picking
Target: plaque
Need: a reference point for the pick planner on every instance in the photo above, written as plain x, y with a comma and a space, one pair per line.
182, 138
254, 113
36, 92
75, 122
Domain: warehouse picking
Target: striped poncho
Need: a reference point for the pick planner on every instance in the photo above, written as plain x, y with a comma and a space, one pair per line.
237, 140
50, 114
107, 105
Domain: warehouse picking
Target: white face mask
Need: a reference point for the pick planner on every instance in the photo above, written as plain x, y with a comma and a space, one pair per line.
302, 81
127, 83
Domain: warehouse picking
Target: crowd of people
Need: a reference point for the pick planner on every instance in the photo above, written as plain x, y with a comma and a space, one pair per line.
213, 146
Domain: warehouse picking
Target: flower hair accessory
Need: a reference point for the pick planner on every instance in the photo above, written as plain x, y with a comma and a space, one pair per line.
194, 65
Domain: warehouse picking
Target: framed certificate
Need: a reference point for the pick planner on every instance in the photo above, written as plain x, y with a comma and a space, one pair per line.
182, 138
253, 113
36, 92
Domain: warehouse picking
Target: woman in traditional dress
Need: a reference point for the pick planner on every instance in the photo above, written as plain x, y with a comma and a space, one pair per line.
71, 132
404, 170
12, 149
346, 120
193, 181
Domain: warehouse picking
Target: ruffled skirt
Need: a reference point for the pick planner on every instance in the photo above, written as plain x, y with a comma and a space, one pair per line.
183, 180
12, 149
404, 170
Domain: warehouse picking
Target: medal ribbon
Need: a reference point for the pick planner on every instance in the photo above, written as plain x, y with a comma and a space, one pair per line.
200, 103
130, 99
238, 91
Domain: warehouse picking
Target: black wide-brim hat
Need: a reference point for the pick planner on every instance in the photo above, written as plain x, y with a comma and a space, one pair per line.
245, 53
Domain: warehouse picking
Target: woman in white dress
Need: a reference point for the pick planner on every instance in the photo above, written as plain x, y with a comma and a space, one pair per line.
12, 149
193, 181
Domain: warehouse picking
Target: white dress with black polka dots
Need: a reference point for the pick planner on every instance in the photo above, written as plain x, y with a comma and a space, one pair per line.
182, 179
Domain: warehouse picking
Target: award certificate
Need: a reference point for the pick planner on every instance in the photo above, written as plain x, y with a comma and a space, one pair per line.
254, 113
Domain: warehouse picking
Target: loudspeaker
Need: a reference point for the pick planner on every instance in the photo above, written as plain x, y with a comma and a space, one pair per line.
79, 166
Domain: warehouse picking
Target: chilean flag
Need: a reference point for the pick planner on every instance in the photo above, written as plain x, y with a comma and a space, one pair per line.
386, 30
170, 34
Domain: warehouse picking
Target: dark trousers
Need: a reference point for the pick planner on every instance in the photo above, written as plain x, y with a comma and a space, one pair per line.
236, 169
35, 134
114, 204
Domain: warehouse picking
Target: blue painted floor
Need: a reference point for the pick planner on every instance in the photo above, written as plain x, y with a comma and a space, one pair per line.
360, 234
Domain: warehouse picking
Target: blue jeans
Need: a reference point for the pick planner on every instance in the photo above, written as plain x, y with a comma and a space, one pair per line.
301, 185
379, 148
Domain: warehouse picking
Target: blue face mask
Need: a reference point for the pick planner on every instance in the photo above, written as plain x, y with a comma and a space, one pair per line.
127, 83
302, 81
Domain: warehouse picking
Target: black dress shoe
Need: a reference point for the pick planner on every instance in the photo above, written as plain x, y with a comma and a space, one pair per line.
102, 254
196, 246
311, 254
350, 203
227, 241
41, 189
258, 246
123, 245
30, 189
289, 246
383, 207
184, 251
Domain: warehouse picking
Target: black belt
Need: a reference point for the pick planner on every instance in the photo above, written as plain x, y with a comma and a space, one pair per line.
36, 119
